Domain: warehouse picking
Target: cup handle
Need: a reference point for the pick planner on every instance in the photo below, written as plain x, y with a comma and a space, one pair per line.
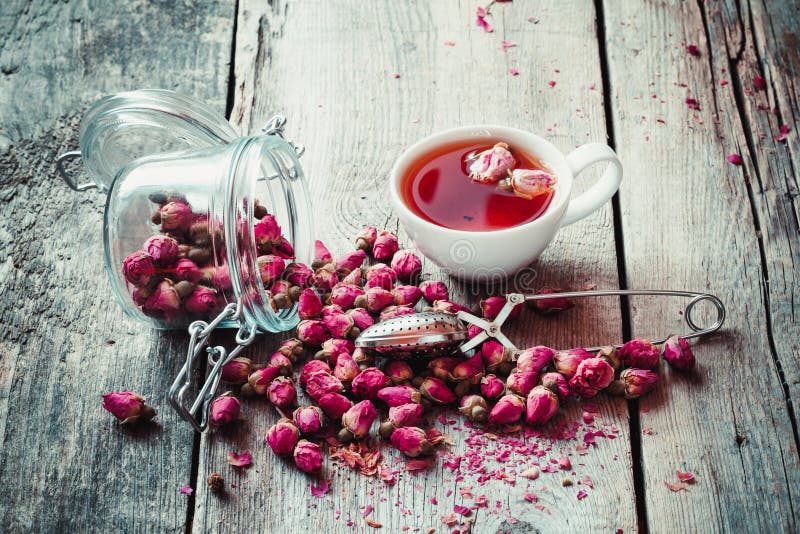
602, 191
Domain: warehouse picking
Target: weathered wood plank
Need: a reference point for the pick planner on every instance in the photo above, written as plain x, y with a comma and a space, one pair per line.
65, 465
330, 68
687, 222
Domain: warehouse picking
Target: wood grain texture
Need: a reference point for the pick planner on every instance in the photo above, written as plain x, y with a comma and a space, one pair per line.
330, 68
689, 219
65, 465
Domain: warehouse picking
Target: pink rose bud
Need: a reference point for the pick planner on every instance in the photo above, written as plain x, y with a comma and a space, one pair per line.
176, 216
187, 270
399, 395
528, 183
163, 249
433, 290
308, 456
291, 348
473, 330
361, 318
353, 278
225, 409
639, 353
390, 312
311, 367
271, 268
507, 411
127, 406
309, 305
369, 382
318, 384
678, 353
281, 287
366, 238
378, 298
566, 362
522, 382
541, 406
440, 367
535, 359
358, 419
346, 368
164, 299
344, 295
399, 372
551, 306
313, 333
266, 231
298, 274
221, 278
436, 391
591, 376
283, 248
202, 301
348, 262
638, 382
138, 268
321, 253
610, 355
325, 278
492, 388
474, 407
282, 393
407, 295
385, 246
492, 165
331, 310
494, 355
380, 275
339, 324
260, 379
491, 306
470, 370
333, 348
556, 383
282, 362
445, 306
237, 370
309, 419
334, 405
411, 441
282, 437
406, 414
406, 264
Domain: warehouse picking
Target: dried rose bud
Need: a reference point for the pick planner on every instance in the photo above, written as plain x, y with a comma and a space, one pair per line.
490, 308
475, 408
440, 367
639, 353
591, 376
187, 270
325, 278
270, 267
610, 355
522, 382
470, 370
225, 409
348, 262
358, 420
237, 370
363, 359
494, 354
399, 372
385, 245
215, 482
678, 353
354, 277
380, 275
176, 216
282, 393
378, 298
320, 383
321, 253
411, 441
309, 419
366, 238
127, 407
221, 279
282, 362
407, 295
406, 264
390, 312
556, 383
203, 301
333, 347
528, 183
338, 324
550, 306
280, 287
138, 268
541, 406
433, 290
331, 310
308, 457
260, 379
566, 362
291, 348
311, 367
265, 232
163, 249
638, 382
436, 391
164, 299
313, 333
367, 384
334, 405
282, 437
492, 388
346, 368
446, 306
298, 274
283, 248
492, 164
535, 359
361, 318
406, 414
507, 411
344, 295
399, 395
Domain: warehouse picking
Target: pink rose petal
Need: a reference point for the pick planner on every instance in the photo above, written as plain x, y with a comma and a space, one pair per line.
693, 50
551, 83
692, 103
582, 495
723, 83
513, 72
685, 476
462, 510
508, 44
760, 83
320, 490
449, 43
186, 490
240, 460
480, 20
736, 159
782, 136
367, 510
676, 487
530, 497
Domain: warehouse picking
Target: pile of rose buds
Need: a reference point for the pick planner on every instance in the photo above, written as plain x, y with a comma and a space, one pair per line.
350, 390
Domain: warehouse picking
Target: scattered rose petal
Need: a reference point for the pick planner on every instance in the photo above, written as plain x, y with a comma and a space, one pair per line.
419, 464
582, 495
449, 43
723, 83
551, 83
782, 136
647, 431
736, 159
367, 510
320, 490
532, 473
564, 463
186, 490
387, 475
480, 20
449, 520
676, 487
693, 50
396, 76
481, 501
508, 44
240, 460
533, 20
692, 103
760, 83
373, 524
530, 497
685, 476
462, 510
514, 72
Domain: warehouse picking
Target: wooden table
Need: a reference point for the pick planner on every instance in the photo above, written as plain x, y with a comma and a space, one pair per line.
359, 81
